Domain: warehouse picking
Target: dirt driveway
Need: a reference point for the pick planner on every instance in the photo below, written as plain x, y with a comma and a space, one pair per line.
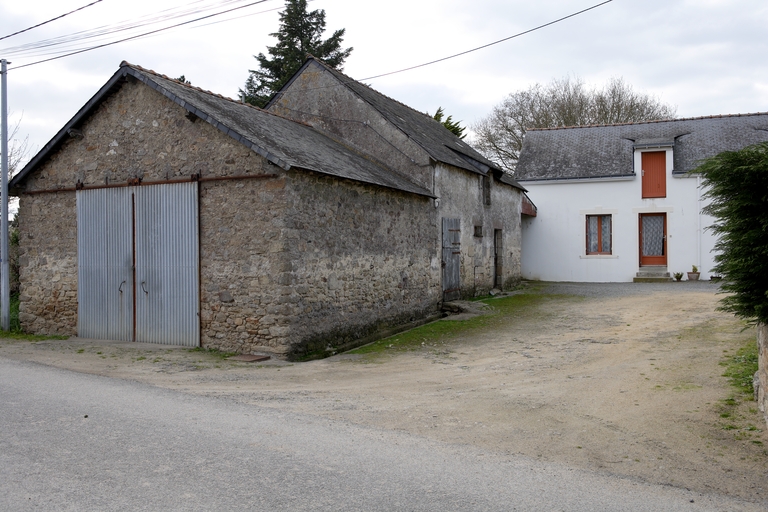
622, 379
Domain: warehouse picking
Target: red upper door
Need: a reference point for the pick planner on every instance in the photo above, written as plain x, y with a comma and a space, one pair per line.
654, 174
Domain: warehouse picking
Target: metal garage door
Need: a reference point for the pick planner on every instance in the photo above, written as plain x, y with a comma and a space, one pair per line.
138, 264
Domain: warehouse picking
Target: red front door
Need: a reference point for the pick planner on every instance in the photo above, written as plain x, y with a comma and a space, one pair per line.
653, 239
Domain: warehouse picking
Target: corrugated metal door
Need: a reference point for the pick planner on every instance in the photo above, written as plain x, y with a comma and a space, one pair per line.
167, 264
104, 264
451, 259
138, 264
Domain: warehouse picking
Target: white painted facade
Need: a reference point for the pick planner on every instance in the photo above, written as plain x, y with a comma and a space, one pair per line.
554, 243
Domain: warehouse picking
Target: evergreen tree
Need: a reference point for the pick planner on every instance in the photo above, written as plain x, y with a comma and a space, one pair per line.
453, 126
299, 35
736, 182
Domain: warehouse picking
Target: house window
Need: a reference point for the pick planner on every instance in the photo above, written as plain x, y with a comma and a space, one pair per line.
598, 234
479, 231
487, 189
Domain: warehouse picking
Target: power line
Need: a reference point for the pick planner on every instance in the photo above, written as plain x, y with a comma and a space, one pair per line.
50, 20
489, 44
83, 50
162, 16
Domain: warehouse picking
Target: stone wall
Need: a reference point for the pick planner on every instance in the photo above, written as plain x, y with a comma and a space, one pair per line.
315, 98
361, 259
242, 253
48, 263
461, 196
762, 372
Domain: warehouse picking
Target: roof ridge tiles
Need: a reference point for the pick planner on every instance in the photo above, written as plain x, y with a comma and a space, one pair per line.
205, 91
714, 116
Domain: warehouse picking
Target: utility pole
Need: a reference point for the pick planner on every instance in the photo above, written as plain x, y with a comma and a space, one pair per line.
5, 285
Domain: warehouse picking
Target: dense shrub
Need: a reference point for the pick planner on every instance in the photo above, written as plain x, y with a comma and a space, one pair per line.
737, 184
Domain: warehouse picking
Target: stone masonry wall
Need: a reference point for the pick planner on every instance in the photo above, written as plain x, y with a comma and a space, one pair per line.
461, 197
242, 254
48, 260
315, 98
762, 372
362, 258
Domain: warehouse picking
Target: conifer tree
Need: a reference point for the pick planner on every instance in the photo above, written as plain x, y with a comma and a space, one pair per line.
299, 35
736, 182
454, 126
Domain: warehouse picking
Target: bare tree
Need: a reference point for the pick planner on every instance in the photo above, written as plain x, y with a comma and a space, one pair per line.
564, 102
18, 149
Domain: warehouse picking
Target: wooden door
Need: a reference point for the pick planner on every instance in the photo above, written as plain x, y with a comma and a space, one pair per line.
653, 239
451, 259
497, 258
654, 174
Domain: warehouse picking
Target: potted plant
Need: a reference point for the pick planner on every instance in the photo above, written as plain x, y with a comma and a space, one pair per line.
678, 276
694, 276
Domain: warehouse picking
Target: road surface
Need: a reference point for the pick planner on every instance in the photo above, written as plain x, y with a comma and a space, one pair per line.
70, 441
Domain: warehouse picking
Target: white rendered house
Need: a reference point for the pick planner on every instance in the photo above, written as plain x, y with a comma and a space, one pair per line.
618, 201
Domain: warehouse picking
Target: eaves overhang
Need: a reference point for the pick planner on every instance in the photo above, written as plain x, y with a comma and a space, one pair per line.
581, 179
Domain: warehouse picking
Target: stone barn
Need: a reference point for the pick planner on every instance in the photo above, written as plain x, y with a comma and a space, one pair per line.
164, 213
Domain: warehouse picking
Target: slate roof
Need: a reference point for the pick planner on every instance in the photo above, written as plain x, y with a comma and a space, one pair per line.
439, 143
283, 142
607, 151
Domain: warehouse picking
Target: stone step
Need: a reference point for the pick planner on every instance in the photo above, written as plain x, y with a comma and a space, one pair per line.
638, 279
655, 274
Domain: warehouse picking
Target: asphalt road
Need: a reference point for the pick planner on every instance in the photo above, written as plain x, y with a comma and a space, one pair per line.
71, 441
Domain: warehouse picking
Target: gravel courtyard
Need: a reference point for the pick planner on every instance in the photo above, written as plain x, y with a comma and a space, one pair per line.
616, 378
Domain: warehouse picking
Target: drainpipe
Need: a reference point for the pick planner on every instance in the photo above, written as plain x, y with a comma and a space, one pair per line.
698, 217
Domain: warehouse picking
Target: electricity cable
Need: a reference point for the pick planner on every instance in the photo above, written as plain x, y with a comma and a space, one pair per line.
50, 20
161, 16
139, 35
489, 44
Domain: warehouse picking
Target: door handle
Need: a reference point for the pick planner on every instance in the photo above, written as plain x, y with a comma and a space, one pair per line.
120, 288
144, 287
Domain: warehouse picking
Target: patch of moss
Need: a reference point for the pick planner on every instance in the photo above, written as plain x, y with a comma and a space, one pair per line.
213, 352
440, 332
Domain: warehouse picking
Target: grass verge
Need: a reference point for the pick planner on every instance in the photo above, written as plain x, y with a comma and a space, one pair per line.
212, 352
741, 367
738, 413
442, 331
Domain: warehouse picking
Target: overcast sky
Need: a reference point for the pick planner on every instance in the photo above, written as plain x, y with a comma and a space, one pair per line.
705, 57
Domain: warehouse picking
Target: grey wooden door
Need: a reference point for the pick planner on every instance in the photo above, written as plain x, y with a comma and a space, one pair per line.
498, 270
138, 264
451, 259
